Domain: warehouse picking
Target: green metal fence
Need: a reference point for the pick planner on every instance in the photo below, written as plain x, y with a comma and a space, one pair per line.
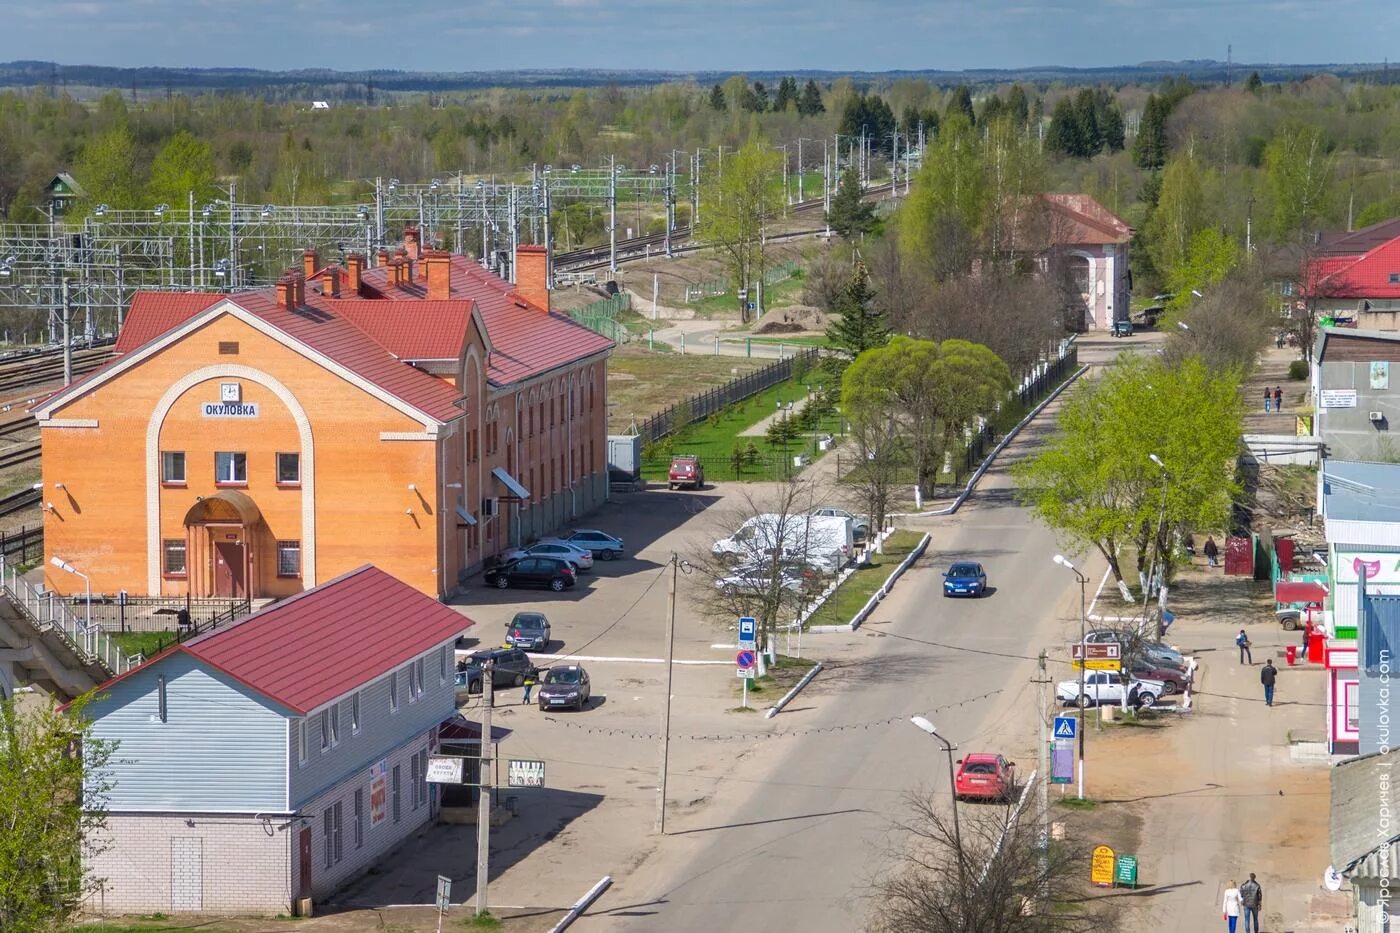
601, 316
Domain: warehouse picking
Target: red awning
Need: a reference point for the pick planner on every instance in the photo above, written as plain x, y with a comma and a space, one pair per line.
1285, 592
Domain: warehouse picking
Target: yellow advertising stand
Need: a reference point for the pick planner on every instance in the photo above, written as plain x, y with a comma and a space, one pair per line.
1101, 867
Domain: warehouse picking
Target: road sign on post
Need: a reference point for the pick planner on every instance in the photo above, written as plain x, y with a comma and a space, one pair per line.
523, 772
444, 897
748, 632
1102, 656
1065, 727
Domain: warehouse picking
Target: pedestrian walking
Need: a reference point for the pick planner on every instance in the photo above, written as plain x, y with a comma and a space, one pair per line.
1230, 909
1267, 675
531, 678
1212, 552
1268, 399
1278, 398
1243, 643
1251, 901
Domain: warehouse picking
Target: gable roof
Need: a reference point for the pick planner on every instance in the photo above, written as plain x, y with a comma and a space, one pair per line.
326, 642
1358, 852
1078, 219
1358, 242
1372, 274
341, 346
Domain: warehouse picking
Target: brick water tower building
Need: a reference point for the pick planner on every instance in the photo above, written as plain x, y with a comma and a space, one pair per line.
421, 414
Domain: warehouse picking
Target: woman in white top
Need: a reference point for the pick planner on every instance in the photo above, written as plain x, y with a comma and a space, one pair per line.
1230, 909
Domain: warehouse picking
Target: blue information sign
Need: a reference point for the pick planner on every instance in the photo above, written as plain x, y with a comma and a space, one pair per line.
1065, 726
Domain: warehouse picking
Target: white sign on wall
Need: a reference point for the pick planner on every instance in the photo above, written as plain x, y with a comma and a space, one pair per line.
230, 409
1379, 567
1337, 398
444, 770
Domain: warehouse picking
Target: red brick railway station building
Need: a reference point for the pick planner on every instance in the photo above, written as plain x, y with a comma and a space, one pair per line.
421, 414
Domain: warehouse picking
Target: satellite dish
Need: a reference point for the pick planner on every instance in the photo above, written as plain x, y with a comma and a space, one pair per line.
1332, 879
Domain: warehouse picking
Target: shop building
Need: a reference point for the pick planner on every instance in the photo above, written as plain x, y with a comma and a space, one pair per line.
421, 414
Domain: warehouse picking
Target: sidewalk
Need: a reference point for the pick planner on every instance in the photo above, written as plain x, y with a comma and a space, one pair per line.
1234, 786
1272, 372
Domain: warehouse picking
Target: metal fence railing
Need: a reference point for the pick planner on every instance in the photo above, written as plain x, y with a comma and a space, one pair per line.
601, 316
158, 613
704, 404
1038, 384
780, 273
701, 290
25, 546
48, 613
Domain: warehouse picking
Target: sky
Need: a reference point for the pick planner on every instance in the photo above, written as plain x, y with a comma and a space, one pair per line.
672, 35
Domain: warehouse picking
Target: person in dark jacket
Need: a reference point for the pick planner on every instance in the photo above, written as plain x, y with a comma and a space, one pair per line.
1267, 675
1211, 551
1278, 398
1252, 900
1244, 644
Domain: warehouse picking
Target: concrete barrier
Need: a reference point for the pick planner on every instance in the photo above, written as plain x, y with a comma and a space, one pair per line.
582, 904
807, 678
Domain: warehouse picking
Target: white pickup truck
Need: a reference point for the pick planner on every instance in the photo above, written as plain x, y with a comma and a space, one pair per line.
1107, 687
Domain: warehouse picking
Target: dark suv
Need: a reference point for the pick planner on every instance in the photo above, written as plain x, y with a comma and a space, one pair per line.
552, 572
512, 664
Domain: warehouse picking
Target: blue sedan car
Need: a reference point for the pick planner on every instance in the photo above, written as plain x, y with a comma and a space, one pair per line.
965, 579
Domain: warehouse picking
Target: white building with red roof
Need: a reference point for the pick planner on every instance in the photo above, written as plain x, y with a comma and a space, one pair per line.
422, 414
278, 758
1356, 275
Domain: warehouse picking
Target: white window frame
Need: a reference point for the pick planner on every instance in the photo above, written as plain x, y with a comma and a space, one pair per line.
339, 835
355, 713
335, 725
393, 692
359, 817
442, 665
285, 548
166, 459
300, 726
277, 464
395, 793
413, 775
232, 456
326, 830
325, 731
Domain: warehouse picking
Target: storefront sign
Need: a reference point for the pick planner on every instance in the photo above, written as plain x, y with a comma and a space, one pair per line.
1380, 374
1127, 871
378, 794
1379, 567
230, 409
1101, 866
1337, 398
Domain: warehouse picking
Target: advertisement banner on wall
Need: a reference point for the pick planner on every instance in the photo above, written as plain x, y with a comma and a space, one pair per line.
378, 792
1380, 374
1379, 567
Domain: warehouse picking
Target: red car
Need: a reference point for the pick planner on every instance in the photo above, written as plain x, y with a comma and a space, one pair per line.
686, 470
984, 776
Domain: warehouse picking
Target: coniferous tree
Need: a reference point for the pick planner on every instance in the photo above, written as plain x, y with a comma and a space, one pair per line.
786, 96
1065, 135
810, 103
1150, 147
760, 97
1254, 83
1111, 126
1086, 113
717, 101
961, 102
861, 325
850, 214
1017, 105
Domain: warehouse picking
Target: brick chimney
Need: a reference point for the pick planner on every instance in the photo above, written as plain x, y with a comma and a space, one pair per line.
531, 275
395, 271
330, 283
354, 273
309, 263
437, 265
382, 259
291, 290
411, 246
284, 291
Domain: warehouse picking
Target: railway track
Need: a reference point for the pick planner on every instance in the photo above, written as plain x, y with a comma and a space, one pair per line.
594, 257
41, 371
21, 454
18, 502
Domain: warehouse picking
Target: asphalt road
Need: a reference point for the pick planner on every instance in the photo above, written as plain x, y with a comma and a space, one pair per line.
797, 847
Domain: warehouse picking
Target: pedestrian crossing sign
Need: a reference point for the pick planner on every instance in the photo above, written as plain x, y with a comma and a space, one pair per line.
1065, 726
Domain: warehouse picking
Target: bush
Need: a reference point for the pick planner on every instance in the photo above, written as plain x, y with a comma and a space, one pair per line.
1298, 370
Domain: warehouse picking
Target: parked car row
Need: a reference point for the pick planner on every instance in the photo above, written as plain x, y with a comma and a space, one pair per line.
823, 543
1151, 670
554, 562
564, 685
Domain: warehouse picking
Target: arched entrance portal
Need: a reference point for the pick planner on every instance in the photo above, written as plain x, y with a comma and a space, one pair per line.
220, 532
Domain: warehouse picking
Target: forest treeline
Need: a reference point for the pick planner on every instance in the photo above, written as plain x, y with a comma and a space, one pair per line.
1206, 152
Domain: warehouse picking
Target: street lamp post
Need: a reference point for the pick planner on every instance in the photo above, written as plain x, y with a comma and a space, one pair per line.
1083, 625
1156, 543
63, 565
949, 748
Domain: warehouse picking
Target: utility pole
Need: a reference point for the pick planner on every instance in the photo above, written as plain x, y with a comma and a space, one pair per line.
826, 187
67, 337
1043, 790
612, 214
799, 170
483, 802
666, 705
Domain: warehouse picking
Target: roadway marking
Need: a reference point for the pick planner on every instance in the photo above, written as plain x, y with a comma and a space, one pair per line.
595, 659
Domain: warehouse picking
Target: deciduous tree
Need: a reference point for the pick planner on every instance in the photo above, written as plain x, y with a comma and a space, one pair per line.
185, 164
54, 780
736, 209
1299, 174
108, 170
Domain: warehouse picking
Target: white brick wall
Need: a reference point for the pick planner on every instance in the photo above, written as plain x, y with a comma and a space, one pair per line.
241, 869
246, 865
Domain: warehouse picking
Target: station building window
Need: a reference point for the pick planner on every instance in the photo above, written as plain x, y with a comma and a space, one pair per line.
231, 468
173, 558
289, 469
172, 467
288, 558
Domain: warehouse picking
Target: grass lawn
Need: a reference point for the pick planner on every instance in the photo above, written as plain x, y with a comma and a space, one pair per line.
781, 295
857, 590
147, 643
642, 383
715, 439
796, 340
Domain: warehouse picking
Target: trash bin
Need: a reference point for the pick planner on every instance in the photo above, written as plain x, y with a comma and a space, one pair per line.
1291, 653
1317, 641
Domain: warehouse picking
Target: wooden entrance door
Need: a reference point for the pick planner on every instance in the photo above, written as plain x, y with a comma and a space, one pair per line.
230, 569
304, 860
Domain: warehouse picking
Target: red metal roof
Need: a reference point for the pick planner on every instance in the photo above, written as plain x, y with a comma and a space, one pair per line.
153, 313
1368, 275
1286, 592
525, 340
309, 649
1085, 221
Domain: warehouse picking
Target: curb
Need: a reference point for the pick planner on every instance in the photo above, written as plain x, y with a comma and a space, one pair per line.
879, 594
807, 678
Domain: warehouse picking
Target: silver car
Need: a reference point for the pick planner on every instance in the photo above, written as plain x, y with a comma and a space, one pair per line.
579, 557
